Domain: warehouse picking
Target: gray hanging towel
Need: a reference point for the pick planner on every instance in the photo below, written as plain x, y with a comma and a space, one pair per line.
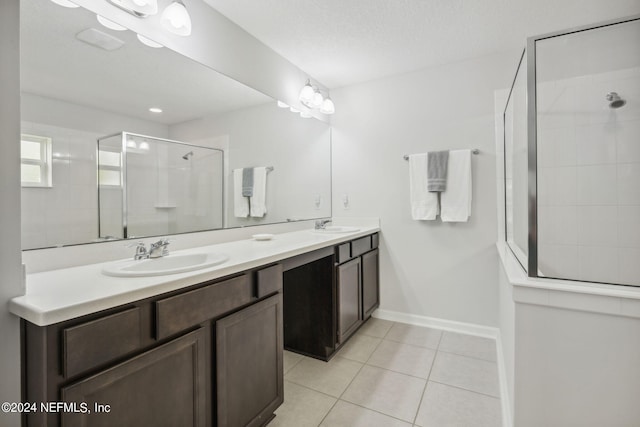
247, 182
437, 170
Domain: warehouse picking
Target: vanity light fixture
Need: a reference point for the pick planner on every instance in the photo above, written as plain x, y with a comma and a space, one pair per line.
65, 3
148, 42
139, 8
144, 145
176, 19
110, 24
305, 114
294, 110
155, 110
311, 97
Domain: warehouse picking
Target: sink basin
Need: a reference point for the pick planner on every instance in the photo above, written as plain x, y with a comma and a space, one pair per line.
330, 229
170, 264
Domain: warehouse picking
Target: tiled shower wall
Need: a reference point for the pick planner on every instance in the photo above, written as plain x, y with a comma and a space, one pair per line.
589, 178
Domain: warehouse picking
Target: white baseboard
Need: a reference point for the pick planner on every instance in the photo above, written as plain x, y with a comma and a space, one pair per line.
463, 328
433, 322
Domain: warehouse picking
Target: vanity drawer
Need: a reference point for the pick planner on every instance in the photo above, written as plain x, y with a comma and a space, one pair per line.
269, 280
360, 246
92, 343
343, 253
183, 311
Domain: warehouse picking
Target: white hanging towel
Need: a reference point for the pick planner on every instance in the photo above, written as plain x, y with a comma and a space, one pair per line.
259, 199
456, 201
424, 204
240, 203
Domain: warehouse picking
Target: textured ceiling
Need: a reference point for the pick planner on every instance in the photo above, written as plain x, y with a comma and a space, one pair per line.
342, 42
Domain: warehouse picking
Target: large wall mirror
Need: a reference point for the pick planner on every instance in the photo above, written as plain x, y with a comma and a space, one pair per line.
82, 83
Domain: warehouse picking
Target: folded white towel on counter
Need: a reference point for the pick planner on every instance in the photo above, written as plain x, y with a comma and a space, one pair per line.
456, 200
240, 203
258, 202
424, 204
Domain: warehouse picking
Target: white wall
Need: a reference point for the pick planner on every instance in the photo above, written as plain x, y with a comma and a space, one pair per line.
428, 268
10, 269
576, 368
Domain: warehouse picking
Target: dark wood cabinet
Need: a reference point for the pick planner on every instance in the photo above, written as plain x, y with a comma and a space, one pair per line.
370, 283
249, 370
349, 299
190, 357
328, 295
166, 386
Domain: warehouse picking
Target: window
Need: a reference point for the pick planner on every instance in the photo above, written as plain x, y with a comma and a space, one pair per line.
109, 168
35, 159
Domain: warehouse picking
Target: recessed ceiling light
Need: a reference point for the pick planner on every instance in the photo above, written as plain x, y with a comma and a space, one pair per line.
110, 24
149, 42
155, 110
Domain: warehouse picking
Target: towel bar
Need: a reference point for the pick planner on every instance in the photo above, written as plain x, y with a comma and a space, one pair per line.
474, 151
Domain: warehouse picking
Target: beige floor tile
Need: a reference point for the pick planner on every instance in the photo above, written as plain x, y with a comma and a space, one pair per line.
446, 406
469, 345
416, 335
391, 393
345, 414
331, 377
466, 372
359, 348
302, 407
375, 327
291, 359
404, 358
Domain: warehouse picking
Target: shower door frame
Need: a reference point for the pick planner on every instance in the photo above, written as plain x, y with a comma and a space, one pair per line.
532, 136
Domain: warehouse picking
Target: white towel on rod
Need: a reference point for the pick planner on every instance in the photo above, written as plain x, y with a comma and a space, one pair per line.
456, 201
258, 201
240, 203
424, 204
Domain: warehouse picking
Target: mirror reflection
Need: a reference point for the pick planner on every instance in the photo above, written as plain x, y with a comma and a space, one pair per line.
81, 82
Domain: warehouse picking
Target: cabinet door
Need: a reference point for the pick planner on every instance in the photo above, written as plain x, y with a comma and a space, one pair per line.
349, 307
167, 386
249, 347
370, 283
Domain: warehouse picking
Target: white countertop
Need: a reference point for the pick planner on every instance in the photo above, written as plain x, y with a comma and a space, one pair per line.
59, 295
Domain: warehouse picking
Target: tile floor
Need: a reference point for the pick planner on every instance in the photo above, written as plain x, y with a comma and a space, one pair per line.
393, 374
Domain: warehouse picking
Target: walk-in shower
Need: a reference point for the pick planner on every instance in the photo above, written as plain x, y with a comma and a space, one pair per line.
572, 155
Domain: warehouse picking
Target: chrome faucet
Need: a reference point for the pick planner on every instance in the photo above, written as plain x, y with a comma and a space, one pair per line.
322, 223
159, 248
141, 251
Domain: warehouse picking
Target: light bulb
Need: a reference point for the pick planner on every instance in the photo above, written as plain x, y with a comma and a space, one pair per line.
306, 94
317, 100
148, 42
65, 3
176, 19
110, 24
327, 106
282, 105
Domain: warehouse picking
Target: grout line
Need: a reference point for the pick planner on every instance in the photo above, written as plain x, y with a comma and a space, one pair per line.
374, 410
466, 389
424, 390
309, 388
470, 357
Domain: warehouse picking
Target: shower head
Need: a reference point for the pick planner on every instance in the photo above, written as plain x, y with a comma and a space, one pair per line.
186, 156
614, 100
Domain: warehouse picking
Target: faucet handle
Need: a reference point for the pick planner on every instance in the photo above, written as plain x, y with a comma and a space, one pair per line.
141, 250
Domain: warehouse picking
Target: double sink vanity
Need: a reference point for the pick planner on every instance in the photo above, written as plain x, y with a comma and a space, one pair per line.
144, 343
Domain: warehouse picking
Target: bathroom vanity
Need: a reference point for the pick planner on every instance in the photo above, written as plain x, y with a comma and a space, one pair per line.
205, 352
